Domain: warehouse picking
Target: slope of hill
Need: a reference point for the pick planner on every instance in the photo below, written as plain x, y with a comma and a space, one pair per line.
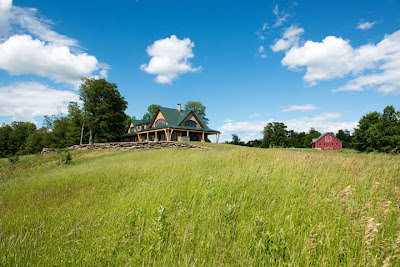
229, 205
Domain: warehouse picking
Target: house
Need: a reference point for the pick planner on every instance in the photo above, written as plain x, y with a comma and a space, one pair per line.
326, 142
170, 125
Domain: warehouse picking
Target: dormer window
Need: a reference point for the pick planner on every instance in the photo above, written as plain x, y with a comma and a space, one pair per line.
190, 123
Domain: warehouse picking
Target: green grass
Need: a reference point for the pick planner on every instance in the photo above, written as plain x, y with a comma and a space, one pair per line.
225, 206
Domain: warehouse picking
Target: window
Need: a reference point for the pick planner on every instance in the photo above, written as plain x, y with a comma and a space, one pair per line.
160, 122
337, 143
324, 143
132, 129
332, 144
319, 143
190, 123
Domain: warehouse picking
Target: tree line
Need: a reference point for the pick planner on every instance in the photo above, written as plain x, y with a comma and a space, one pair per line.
375, 132
101, 118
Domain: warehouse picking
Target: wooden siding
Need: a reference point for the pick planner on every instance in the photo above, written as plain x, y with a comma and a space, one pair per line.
190, 117
158, 116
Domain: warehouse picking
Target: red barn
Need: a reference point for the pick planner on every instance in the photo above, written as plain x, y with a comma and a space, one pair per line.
326, 142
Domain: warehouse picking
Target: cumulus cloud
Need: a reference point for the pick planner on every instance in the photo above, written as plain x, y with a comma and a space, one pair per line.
307, 107
23, 55
25, 100
252, 130
291, 37
365, 25
371, 65
49, 54
169, 59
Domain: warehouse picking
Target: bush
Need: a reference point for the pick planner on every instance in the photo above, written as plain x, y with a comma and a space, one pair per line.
65, 156
13, 159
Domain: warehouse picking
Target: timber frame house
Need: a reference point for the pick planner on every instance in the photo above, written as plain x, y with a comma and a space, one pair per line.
170, 125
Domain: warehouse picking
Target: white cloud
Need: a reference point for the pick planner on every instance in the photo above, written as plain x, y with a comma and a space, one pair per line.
372, 65
261, 52
228, 120
252, 130
281, 16
169, 59
5, 13
28, 19
23, 55
50, 55
254, 115
307, 107
365, 25
291, 37
25, 100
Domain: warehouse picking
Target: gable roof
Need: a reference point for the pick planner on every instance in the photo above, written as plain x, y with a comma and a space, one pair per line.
175, 117
141, 122
322, 135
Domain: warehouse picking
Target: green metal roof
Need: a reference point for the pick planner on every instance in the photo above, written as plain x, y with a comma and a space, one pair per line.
174, 118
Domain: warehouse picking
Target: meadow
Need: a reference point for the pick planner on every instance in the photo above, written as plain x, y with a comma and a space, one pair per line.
229, 205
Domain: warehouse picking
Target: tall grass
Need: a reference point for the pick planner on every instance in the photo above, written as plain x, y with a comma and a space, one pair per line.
229, 205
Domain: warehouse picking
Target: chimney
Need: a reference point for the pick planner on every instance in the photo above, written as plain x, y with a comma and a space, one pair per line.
178, 107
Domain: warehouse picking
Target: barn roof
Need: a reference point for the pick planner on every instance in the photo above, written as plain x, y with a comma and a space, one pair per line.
322, 135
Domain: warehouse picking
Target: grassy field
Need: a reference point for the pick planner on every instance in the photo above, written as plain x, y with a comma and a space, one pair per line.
225, 206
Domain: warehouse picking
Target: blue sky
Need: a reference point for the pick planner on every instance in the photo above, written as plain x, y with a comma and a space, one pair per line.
319, 64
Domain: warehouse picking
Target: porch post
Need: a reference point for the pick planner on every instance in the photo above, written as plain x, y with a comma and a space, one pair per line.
147, 137
166, 134
156, 139
140, 138
202, 138
217, 138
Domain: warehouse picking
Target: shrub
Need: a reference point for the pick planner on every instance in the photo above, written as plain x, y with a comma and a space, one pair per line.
65, 156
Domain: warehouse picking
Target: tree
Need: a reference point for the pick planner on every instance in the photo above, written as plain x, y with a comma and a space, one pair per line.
236, 140
75, 127
312, 134
275, 134
378, 132
151, 112
105, 109
198, 108
5, 134
345, 137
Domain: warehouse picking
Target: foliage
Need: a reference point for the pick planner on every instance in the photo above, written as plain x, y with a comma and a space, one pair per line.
379, 132
312, 134
228, 206
197, 107
151, 112
346, 138
13, 159
104, 108
65, 156
275, 135
236, 140
13, 137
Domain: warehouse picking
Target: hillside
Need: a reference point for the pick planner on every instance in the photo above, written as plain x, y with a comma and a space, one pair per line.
230, 205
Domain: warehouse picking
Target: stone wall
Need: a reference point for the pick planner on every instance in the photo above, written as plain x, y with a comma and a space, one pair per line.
127, 146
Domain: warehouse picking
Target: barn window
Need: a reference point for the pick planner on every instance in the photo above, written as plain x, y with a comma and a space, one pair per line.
337, 143
190, 123
332, 144
160, 122
324, 143
319, 143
